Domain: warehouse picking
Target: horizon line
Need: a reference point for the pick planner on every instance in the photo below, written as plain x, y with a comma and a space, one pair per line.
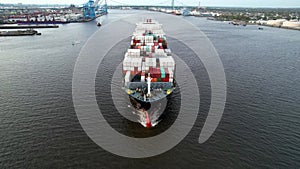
279, 7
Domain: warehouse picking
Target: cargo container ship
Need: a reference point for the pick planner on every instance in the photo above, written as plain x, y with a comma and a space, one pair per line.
148, 70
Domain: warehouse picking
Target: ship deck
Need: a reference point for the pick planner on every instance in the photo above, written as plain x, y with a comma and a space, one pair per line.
155, 95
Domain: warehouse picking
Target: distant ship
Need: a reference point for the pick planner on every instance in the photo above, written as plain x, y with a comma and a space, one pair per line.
148, 70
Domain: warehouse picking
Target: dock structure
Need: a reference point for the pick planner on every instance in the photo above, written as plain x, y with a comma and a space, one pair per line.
19, 33
27, 26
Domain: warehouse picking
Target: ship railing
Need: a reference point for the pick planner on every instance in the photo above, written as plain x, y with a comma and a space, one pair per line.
154, 85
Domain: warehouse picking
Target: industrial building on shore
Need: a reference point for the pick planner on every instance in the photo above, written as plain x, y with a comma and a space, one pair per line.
283, 23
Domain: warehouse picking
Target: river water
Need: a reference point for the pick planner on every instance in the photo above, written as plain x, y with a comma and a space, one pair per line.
260, 127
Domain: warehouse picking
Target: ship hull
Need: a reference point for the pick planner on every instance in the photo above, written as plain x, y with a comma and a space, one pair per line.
149, 113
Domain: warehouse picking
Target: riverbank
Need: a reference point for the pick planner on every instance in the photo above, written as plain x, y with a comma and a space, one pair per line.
244, 23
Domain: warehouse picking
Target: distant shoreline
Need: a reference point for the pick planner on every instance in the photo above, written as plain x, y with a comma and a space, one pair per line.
239, 23
177, 6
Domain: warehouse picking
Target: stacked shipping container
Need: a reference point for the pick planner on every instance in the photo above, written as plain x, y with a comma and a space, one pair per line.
149, 54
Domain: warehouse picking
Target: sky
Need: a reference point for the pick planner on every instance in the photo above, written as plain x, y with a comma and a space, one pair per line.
228, 3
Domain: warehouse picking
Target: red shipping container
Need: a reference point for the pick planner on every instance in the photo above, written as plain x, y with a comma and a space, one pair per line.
135, 72
154, 72
165, 79
132, 72
157, 73
154, 80
151, 69
167, 73
166, 70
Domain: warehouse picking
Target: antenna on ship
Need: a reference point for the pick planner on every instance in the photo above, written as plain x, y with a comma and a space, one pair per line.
149, 84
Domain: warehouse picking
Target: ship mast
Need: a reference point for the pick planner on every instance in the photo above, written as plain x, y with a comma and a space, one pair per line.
149, 84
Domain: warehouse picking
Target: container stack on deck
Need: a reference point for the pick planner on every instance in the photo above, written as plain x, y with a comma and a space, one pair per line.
149, 53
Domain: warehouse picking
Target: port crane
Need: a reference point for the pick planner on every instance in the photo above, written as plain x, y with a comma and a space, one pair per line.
91, 8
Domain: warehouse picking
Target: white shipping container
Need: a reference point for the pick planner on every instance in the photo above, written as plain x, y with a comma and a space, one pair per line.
150, 44
159, 33
160, 55
142, 78
150, 60
152, 64
168, 62
143, 64
168, 50
163, 61
127, 76
139, 37
171, 70
159, 51
134, 52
